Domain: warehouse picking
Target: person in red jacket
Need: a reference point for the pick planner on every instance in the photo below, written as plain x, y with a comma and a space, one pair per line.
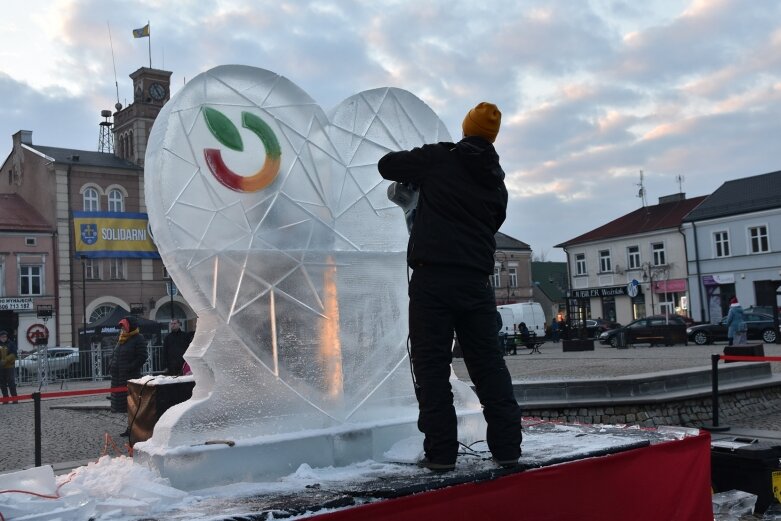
462, 202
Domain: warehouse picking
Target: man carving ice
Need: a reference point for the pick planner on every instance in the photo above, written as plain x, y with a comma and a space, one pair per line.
462, 203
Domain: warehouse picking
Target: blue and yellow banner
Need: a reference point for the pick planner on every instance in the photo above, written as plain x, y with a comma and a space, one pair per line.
113, 234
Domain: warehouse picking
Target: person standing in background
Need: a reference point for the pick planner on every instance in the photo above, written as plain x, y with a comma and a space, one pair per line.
8, 352
127, 360
174, 347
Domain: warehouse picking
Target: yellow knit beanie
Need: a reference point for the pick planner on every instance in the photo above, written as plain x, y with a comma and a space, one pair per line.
483, 120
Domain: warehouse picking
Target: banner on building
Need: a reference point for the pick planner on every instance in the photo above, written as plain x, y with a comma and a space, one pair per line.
16, 304
113, 234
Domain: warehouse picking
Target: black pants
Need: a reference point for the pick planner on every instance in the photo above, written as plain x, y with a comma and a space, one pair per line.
441, 302
7, 381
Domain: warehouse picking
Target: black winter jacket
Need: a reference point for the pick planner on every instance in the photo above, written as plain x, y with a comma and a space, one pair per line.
462, 202
128, 359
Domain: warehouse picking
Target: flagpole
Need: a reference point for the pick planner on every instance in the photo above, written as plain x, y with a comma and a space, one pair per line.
149, 29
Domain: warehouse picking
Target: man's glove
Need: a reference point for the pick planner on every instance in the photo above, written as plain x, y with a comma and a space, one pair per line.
405, 195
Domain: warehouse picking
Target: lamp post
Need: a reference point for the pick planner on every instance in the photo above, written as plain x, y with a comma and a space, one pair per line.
505, 264
651, 272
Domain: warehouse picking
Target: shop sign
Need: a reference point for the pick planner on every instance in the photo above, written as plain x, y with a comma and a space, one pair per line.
670, 286
715, 280
16, 304
600, 292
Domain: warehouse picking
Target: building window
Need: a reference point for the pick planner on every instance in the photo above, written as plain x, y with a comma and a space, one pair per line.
633, 257
166, 275
117, 269
580, 264
497, 278
30, 241
116, 201
513, 277
100, 312
91, 201
604, 261
758, 237
31, 280
721, 243
660, 259
91, 269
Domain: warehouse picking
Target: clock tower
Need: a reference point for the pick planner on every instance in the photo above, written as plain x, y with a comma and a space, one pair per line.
132, 124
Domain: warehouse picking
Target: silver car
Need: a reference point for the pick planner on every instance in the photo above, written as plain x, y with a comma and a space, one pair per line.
60, 360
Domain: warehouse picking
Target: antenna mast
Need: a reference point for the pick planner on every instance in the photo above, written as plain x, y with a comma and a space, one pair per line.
680, 180
114, 63
641, 192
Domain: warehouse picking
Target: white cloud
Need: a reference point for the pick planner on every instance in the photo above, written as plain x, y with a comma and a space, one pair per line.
592, 92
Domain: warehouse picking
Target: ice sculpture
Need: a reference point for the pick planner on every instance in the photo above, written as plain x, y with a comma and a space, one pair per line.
274, 223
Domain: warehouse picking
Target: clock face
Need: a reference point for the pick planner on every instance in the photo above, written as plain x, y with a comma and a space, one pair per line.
157, 91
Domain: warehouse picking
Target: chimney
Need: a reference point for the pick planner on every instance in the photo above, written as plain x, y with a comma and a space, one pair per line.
23, 137
674, 198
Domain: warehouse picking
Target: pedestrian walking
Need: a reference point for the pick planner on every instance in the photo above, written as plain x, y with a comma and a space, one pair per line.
462, 203
736, 324
8, 352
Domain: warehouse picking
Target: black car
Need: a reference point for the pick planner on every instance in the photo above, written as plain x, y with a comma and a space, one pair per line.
596, 326
667, 330
760, 327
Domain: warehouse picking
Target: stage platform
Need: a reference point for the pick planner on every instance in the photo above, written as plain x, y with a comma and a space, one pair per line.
566, 472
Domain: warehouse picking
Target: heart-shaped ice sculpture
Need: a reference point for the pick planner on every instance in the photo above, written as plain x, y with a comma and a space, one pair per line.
274, 223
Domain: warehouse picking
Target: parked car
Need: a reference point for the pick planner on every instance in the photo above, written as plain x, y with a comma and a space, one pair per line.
760, 327
60, 360
764, 310
596, 326
657, 329
689, 321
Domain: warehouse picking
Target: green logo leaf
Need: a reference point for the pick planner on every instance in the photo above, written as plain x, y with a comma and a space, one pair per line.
223, 129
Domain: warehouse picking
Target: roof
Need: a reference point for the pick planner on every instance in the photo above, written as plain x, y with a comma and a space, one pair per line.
642, 220
746, 195
85, 157
505, 242
551, 278
16, 214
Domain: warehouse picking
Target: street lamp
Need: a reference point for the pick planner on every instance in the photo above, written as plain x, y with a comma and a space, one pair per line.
507, 268
649, 273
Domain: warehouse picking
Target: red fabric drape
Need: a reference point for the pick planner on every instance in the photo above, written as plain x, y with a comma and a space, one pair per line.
664, 482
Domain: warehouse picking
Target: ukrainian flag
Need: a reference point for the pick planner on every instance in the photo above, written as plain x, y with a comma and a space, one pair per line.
142, 32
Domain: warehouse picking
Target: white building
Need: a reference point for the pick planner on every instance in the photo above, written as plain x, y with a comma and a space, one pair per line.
733, 241
633, 266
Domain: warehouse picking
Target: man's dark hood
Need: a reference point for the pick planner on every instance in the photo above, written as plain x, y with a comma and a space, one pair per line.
481, 160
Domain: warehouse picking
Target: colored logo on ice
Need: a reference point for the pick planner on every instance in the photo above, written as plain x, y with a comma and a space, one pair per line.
228, 135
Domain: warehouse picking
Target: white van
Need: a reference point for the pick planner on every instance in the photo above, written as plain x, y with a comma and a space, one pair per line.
508, 319
529, 312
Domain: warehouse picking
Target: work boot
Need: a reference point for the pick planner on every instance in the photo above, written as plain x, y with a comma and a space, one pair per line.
426, 463
505, 463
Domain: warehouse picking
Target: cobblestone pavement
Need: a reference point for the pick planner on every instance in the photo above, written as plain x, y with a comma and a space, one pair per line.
66, 435
77, 435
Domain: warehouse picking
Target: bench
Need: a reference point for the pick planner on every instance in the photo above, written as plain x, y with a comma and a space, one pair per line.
534, 342
512, 342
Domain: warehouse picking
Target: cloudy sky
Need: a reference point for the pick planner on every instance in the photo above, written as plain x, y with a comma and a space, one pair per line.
592, 92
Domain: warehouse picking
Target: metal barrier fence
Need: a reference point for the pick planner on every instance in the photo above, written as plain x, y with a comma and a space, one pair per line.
64, 364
